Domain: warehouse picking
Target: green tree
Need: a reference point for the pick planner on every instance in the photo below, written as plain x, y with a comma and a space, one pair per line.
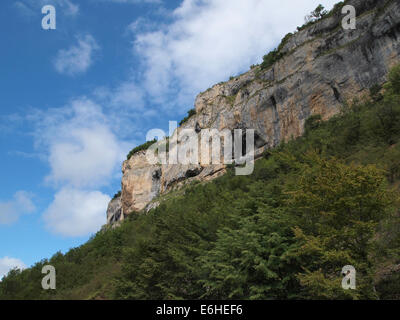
393, 84
317, 14
338, 207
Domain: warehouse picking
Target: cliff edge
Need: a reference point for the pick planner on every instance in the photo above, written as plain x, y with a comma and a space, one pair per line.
320, 68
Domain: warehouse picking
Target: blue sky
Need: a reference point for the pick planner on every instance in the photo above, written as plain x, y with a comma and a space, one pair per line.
75, 100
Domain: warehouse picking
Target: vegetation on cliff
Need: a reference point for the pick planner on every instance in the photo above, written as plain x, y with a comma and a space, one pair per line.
147, 144
315, 16
117, 195
190, 114
313, 205
142, 147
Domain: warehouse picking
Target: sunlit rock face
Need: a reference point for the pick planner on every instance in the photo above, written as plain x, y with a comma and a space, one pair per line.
323, 67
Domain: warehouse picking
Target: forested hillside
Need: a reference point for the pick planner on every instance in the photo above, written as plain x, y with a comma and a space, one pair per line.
313, 205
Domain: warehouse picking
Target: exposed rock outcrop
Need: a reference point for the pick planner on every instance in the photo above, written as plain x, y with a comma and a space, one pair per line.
323, 67
114, 211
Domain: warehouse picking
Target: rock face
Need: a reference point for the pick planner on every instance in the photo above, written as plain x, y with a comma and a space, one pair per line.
114, 211
142, 182
323, 67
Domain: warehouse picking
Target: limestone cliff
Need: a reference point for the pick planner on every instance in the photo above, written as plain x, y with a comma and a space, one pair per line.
323, 66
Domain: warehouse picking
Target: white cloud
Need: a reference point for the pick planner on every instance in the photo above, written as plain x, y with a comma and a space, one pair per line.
10, 211
86, 157
126, 97
75, 213
84, 154
78, 58
209, 40
32, 7
66, 5
82, 150
7, 264
127, 110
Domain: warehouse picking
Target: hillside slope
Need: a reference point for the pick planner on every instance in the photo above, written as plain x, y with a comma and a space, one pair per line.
313, 205
326, 196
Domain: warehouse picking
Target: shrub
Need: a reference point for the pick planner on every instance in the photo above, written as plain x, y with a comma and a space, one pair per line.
317, 14
144, 146
117, 195
270, 58
190, 114
312, 123
284, 41
393, 86
375, 92
276, 54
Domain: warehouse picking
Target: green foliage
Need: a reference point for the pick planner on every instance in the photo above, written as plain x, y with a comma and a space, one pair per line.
270, 58
190, 114
142, 147
117, 195
276, 54
231, 99
375, 92
295, 246
284, 41
312, 123
339, 207
317, 14
389, 287
393, 85
337, 8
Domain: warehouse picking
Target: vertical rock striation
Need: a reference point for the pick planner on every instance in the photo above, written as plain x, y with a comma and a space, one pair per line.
114, 211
